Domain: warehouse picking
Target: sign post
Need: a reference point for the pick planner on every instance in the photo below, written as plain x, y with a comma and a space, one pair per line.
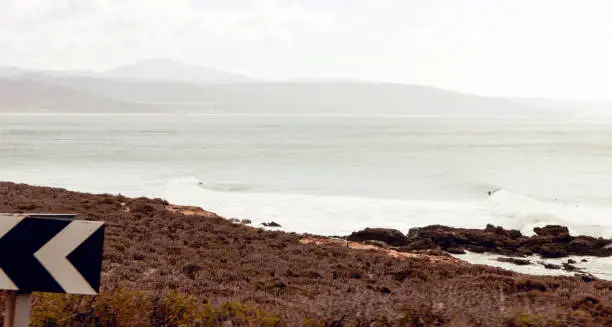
17, 312
9, 313
47, 253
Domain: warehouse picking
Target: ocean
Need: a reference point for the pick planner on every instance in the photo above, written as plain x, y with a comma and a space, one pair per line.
331, 175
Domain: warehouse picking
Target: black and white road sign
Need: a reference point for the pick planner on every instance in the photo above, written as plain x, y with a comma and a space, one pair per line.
41, 253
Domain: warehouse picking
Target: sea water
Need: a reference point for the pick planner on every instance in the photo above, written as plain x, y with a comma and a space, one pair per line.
331, 175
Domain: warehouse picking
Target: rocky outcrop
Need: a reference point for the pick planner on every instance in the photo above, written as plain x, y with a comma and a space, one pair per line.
550, 266
391, 237
551, 230
413, 232
518, 262
549, 242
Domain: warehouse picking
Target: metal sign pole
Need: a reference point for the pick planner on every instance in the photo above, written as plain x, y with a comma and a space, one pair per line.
9, 313
22, 310
17, 312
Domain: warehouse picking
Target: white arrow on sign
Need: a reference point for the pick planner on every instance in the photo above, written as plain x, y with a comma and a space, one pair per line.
53, 256
6, 224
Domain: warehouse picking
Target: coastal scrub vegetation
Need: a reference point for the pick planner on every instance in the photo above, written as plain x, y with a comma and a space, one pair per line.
124, 307
163, 267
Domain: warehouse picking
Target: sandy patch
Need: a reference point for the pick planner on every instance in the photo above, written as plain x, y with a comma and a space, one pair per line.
389, 252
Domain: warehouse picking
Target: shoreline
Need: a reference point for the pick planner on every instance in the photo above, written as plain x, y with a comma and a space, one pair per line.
154, 246
574, 265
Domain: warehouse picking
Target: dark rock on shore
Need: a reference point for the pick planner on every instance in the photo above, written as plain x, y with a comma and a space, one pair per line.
551, 241
271, 224
513, 234
241, 221
420, 244
551, 230
524, 262
413, 232
391, 237
586, 277
551, 251
519, 262
551, 266
380, 244
570, 267
455, 250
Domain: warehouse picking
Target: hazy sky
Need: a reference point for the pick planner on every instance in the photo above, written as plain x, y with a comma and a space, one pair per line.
551, 48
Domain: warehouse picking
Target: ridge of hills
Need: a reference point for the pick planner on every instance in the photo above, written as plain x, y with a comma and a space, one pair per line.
165, 86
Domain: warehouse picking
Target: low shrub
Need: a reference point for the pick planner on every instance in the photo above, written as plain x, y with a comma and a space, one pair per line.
126, 307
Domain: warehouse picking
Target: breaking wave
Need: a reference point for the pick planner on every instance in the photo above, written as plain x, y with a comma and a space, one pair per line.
336, 215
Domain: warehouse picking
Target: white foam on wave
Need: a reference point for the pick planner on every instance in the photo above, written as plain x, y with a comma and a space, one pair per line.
598, 267
525, 213
334, 215
225, 186
325, 215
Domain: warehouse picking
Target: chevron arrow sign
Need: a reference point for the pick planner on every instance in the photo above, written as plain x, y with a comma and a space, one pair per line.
47, 253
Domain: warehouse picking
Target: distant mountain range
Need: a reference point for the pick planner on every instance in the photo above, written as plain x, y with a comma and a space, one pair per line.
169, 70
150, 69
10, 72
172, 87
